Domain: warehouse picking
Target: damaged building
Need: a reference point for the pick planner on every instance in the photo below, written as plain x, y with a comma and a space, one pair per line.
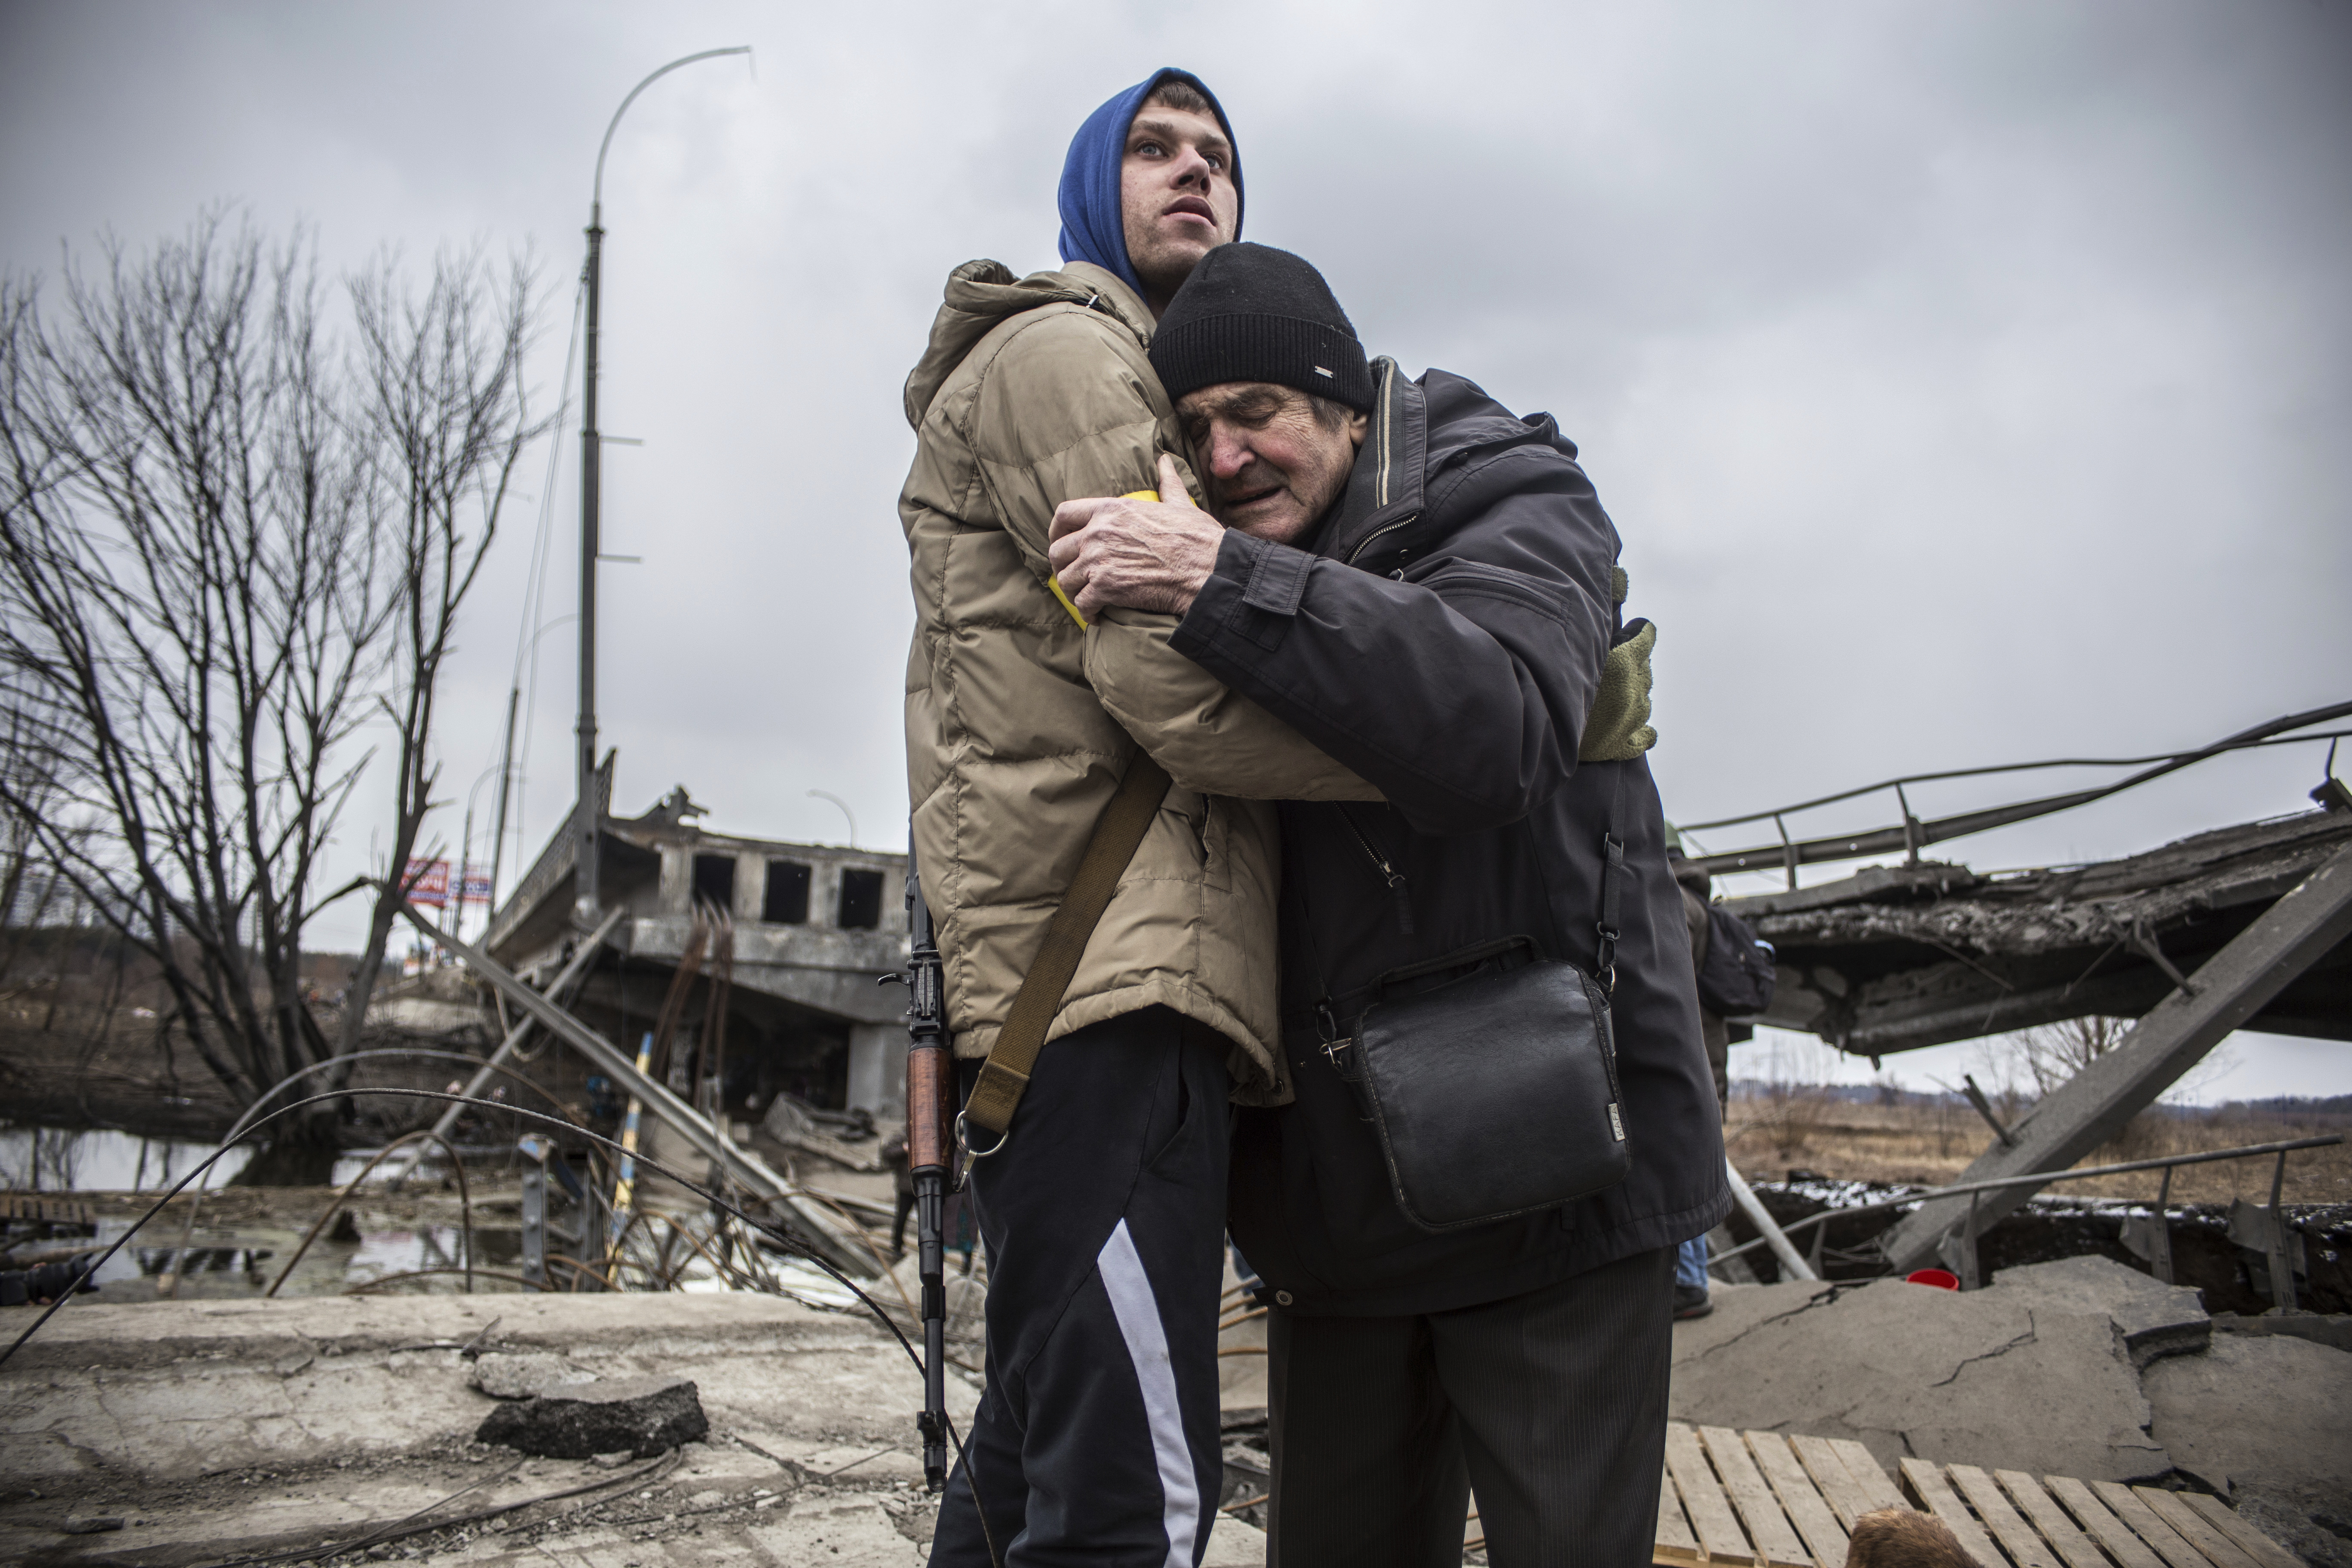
814, 929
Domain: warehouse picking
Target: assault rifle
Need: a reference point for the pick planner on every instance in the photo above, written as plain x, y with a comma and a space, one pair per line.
931, 1152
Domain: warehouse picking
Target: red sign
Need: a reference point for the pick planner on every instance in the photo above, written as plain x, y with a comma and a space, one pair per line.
477, 884
428, 882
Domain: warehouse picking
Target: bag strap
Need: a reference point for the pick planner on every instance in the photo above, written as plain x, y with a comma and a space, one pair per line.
1118, 832
1612, 879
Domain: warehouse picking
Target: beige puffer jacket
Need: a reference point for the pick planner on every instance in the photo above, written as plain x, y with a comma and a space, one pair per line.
1020, 724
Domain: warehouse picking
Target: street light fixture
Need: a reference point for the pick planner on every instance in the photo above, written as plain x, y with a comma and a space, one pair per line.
820, 794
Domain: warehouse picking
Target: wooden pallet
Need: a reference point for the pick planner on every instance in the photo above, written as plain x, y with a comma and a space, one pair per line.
1760, 1499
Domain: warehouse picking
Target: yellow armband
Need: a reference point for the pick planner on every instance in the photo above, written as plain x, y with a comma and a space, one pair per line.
1054, 579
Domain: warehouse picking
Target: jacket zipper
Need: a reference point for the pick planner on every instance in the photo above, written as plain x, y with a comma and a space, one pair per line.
1388, 404
1399, 893
1391, 527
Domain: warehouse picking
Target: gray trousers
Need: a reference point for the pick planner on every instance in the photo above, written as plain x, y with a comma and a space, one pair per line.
1552, 1407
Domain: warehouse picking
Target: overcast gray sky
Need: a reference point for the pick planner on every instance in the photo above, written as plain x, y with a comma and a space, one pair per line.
1971, 382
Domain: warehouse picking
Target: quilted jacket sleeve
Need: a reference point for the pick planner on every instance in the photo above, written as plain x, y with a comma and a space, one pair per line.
1070, 408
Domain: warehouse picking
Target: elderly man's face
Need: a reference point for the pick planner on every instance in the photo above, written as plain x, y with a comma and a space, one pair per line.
1273, 463
1177, 196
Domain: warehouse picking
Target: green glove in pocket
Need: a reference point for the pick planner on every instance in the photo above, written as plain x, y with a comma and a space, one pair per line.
1618, 729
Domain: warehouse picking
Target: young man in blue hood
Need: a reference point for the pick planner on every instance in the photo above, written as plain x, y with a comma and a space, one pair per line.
1102, 1205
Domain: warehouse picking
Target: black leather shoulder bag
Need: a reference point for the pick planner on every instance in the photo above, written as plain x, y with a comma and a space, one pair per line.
1490, 1076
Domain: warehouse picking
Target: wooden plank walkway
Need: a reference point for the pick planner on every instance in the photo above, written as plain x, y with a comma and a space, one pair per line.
1764, 1500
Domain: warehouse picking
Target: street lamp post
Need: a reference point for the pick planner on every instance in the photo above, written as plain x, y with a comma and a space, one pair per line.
587, 910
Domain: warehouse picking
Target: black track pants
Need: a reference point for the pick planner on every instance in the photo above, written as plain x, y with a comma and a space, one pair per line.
1104, 1218
1551, 1405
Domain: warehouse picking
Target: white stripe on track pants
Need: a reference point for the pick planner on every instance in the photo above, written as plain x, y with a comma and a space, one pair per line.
1104, 1218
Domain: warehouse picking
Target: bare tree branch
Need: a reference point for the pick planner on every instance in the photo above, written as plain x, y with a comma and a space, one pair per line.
224, 544
447, 410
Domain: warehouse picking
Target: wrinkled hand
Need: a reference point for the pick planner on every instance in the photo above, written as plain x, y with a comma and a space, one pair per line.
1137, 555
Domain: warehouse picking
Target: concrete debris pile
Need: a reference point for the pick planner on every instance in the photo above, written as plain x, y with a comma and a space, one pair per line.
2081, 1367
639, 1416
1897, 957
213, 1427
800, 1127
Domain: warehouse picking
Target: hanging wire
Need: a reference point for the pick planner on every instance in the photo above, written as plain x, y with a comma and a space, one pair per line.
535, 589
777, 1234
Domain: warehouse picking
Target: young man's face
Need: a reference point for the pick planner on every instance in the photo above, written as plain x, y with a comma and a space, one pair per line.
1176, 187
1271, 464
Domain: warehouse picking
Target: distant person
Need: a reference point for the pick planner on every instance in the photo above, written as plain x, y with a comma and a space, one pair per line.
1692, 1298
902, 1183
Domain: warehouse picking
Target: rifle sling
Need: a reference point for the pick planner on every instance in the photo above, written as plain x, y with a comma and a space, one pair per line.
1118, 832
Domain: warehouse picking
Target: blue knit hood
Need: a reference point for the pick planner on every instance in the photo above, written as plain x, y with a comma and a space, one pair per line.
1094, 221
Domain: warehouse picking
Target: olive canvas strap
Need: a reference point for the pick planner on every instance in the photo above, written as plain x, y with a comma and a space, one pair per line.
1116, 833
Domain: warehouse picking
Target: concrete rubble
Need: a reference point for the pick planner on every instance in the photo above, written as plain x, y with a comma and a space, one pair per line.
2082, 1367
1978, 1378
2155, 1318
217, 1426
2266, 1421
641, 1417
2272, 1408
525, 1376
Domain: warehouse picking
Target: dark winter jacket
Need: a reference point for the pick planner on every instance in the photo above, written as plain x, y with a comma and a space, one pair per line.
1445, 638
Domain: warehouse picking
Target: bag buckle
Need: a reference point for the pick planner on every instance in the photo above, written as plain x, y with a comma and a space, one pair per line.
1328, 1026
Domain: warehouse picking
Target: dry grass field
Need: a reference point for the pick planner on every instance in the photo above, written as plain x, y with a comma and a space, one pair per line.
1787, 1128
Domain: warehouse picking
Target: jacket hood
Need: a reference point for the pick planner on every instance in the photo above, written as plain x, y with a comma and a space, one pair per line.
1094, 216
981, 294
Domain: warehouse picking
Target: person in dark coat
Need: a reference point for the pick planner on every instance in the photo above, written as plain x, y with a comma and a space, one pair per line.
1691, 1295
902, 1187
1424, 584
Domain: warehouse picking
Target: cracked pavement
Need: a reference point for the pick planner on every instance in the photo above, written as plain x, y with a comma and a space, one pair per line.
214, 1426
1985, 1377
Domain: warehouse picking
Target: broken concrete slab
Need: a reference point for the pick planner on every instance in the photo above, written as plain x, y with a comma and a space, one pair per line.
2334, 1330
640, 1415
174, 1390
2272, 1408
2156, 1318
277, 1509
1740, 1310
855, 1530
1978, 1378
2311, 1518
503, 1376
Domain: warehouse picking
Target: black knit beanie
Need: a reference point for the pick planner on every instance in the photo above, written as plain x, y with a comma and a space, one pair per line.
1250, 313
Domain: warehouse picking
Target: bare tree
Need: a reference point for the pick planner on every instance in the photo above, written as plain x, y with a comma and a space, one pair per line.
210, 554
28, 884
445, 407
2051, 1054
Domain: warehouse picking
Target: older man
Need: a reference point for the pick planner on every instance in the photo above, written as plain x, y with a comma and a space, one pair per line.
1426, 586
1103, 1202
